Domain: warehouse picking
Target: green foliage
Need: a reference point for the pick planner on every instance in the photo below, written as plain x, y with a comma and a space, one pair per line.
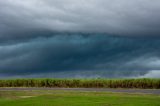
83, 83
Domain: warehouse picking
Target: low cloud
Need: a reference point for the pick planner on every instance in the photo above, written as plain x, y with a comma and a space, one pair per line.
80, 52
79, 74
151, 74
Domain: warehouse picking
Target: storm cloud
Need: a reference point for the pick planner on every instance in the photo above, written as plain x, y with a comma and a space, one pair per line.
80, 52
103, 38
23, 19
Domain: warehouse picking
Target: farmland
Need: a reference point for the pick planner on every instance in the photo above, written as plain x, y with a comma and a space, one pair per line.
79, 92
83, 83
75, 98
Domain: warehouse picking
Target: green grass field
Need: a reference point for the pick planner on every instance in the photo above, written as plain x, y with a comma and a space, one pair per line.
75, 98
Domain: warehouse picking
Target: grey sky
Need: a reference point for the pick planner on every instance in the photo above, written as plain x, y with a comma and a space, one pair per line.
44, 36
120, 17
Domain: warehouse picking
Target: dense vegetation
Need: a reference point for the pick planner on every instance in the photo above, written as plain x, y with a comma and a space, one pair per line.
83, 83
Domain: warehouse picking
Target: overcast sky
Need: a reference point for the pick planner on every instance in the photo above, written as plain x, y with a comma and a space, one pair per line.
77, 36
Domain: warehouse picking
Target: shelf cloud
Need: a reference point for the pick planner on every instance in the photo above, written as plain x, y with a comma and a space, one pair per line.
54, 36
79, 52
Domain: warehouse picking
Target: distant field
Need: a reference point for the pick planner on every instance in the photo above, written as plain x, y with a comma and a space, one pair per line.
75, 98
83, 83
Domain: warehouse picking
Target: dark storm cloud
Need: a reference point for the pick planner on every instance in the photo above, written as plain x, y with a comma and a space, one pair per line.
80, 52
70, 36
19, 19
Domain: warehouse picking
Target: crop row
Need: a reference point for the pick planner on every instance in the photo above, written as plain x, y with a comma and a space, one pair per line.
83, 83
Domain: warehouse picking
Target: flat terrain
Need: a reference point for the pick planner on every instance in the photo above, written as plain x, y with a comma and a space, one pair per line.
143, 91
78, 97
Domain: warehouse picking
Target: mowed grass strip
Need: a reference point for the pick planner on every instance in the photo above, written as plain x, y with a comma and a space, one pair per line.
144, 83
75, 98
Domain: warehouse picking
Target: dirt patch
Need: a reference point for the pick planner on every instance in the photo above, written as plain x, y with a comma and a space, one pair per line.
26, 96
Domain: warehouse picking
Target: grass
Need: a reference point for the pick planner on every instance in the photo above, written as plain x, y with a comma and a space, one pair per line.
75, 98
83, 83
